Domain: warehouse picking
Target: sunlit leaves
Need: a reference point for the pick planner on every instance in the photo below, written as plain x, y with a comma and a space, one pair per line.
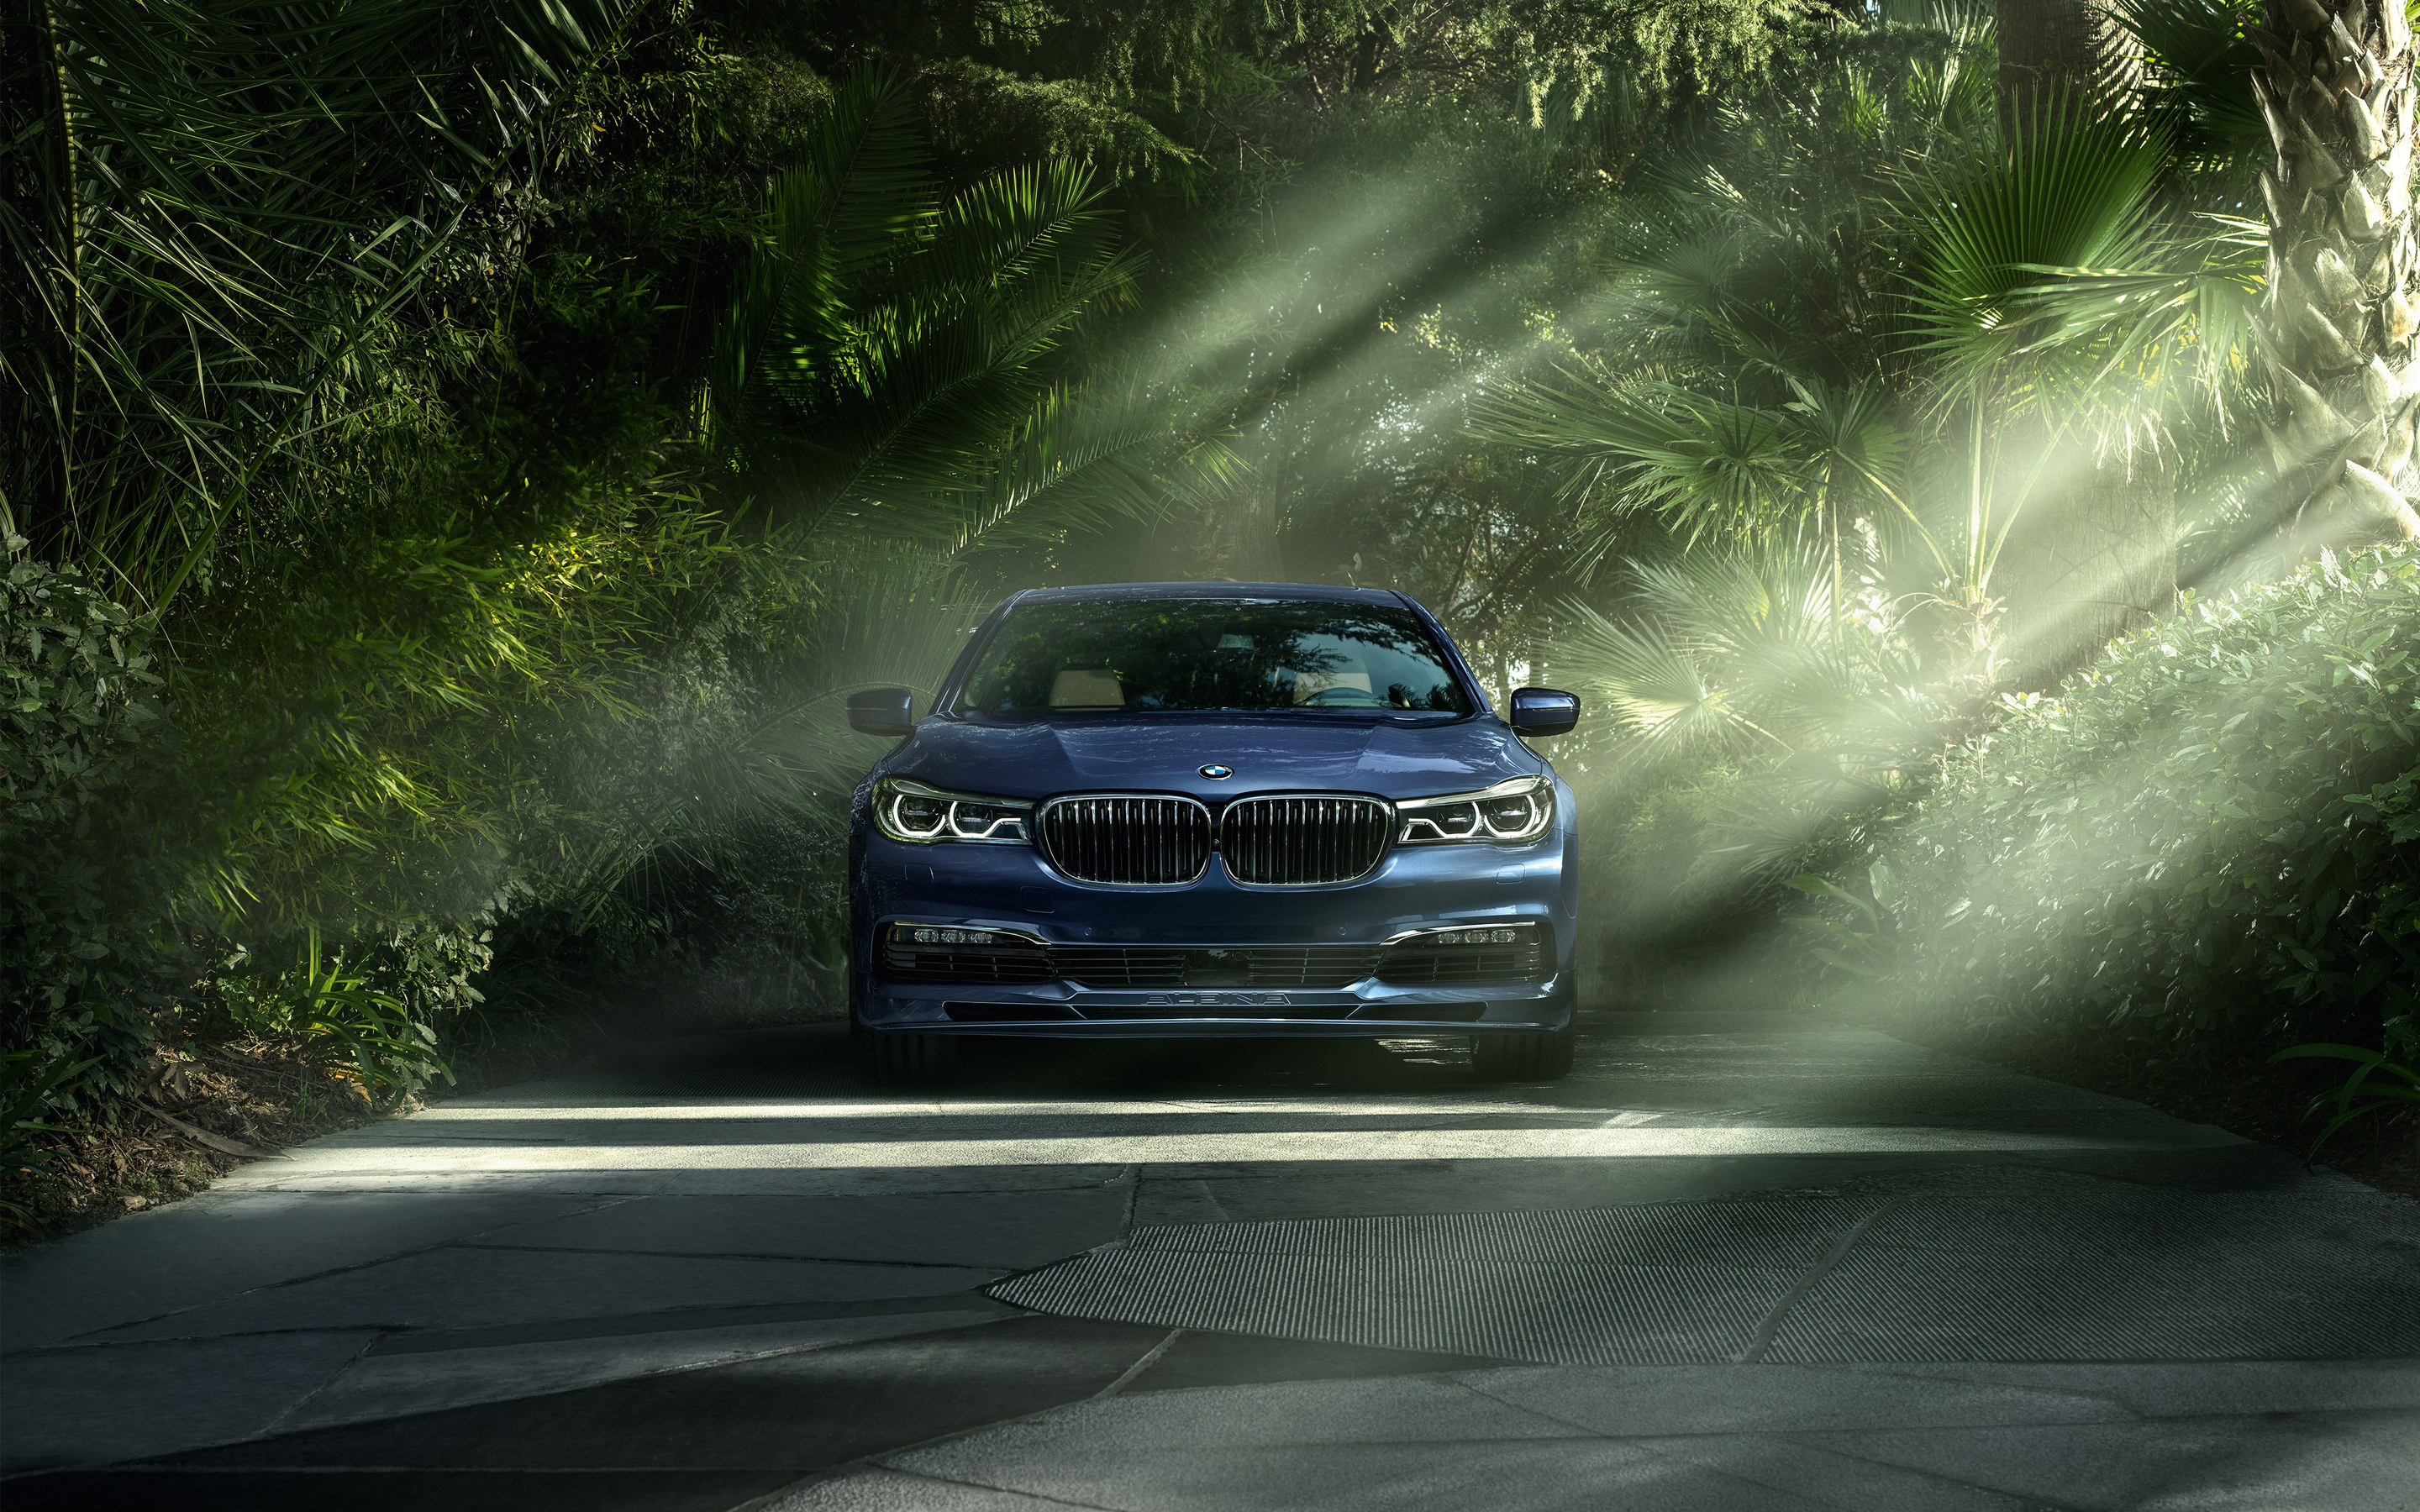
2075, 193
2054, 278
2209, 832
1741, 655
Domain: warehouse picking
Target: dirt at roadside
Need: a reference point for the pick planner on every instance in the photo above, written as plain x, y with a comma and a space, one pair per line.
2247, 1095
208, 1109
203, 1113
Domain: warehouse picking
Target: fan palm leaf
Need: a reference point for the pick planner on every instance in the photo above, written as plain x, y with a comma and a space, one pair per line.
2198, 82
1700, 462
888, 365
2075, 193
1733, 652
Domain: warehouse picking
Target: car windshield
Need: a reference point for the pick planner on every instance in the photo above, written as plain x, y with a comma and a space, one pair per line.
1208, 653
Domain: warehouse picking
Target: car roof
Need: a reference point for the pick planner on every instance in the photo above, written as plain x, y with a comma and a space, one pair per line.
1324, 591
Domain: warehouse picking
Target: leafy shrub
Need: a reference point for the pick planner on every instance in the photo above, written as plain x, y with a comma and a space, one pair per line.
83, 958
2210, 837
2382, 1084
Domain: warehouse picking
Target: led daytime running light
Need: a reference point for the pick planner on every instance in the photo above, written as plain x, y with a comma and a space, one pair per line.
1507, 813
908, 810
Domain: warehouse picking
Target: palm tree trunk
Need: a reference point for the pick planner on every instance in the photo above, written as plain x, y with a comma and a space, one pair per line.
2336, 329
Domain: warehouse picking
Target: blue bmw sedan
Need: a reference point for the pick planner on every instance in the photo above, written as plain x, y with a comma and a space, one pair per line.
1212, 810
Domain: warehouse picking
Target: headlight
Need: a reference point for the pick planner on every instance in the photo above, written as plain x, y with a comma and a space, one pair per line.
1520, 809
907, 809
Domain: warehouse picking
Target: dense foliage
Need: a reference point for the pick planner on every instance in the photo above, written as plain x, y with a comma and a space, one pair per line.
464, 454
478, 654
2210, 837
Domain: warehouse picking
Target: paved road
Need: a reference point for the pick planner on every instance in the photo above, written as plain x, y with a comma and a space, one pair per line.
1737, 1262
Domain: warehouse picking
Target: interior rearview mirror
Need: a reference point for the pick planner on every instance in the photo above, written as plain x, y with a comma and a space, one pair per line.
1543, 711
883, 711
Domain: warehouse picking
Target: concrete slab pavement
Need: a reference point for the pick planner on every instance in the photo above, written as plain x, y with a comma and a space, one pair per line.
1866, 1274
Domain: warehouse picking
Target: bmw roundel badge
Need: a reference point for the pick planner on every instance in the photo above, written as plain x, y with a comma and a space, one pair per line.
1214, 771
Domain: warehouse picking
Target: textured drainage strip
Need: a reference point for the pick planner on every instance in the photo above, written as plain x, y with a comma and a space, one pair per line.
2094, 1273
1664, 1284
2120, 1273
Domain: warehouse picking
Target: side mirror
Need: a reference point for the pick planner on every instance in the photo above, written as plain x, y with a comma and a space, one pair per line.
1543, 711
883, 711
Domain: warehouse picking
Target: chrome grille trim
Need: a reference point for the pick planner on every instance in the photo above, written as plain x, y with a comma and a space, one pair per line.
1126, 840
1304, 839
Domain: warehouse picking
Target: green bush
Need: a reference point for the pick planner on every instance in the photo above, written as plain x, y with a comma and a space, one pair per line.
84, 959
2210, 839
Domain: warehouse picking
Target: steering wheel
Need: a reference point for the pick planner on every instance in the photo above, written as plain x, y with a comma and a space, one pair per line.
1345, 697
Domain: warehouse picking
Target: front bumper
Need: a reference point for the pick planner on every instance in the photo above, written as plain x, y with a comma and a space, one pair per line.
1010, 888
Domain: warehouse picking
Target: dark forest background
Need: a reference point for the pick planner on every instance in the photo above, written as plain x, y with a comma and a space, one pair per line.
466, 455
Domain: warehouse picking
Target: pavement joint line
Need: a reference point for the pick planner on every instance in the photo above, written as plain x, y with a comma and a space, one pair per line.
1872, 1372
1127, 1376
678, 1320
986, 1485
313, 1276
731, 1255
71, 1345
1461, 1378
1131, 1176
387, 1332
1771, 1326
2029, 1500
270, 1429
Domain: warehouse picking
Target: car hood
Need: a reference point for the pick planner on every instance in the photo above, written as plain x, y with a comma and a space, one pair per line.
1166, 754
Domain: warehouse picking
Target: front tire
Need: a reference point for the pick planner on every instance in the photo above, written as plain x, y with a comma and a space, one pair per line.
1543, 1055
900, 1059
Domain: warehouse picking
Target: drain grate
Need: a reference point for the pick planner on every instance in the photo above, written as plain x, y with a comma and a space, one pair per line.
2122, 1274
2129, 1275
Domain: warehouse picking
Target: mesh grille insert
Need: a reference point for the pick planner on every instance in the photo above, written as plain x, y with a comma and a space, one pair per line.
1264, 966
905, 961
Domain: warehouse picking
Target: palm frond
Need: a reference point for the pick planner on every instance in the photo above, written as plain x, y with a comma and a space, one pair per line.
902, 386
1657, 693
1704, 464
233, 198
2076, 191
2199, 59
1743, 653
